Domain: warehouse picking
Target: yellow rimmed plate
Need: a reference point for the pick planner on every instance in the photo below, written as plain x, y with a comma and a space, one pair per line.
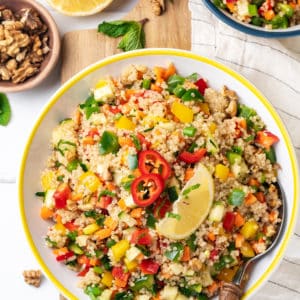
75, 91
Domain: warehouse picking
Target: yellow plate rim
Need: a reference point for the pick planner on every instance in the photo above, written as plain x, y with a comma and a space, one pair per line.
164, 52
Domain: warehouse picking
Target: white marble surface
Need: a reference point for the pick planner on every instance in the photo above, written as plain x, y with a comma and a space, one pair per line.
14, 251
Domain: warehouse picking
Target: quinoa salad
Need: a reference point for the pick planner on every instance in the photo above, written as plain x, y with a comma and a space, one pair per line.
124, 162
270, 14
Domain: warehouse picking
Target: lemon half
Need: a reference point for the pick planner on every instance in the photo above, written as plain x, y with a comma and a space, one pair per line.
79, 7
191, 208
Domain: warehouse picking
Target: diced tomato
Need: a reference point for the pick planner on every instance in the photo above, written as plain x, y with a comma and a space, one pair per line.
92, 132
84, 271
61, 195
83, 260
114, 110
228, 221
141, 237
146, 189
192, 158
64, 256
105, 201
143, 140
201, 84
71, 226
266, 139
148, 266
120, 276
161, 207
151, 162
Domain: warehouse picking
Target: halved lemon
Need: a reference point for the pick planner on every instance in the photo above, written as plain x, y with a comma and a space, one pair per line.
191, 208
79, 7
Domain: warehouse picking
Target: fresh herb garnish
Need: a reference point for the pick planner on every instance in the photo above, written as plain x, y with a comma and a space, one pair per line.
191, 188
90, 106
151, 221
174, 216
107, 193
132, 31
236, 197
136, 142
172, 193
60, 178
176, 251
62, 146
191, 242
40, 194
108, 143
5, 110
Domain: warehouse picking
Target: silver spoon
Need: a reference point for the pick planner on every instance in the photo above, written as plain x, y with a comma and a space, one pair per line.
234, 290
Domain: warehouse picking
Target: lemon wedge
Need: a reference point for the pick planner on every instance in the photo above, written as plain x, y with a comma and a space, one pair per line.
191, 208
79, 7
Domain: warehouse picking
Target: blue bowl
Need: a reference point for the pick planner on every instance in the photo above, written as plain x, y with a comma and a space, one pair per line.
251, 29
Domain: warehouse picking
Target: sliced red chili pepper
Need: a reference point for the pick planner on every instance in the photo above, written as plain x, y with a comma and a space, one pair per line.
266, 138
151, 162
141, 237
201, 85
64, 256
161, 207
192, 158
105, 201
228, 221
61, 195
143, 140
148, 266
146, 189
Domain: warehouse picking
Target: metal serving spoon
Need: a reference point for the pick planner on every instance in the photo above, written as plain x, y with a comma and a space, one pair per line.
234, 290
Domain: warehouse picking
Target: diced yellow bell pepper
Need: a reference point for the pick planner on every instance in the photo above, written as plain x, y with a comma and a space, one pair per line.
60, 227
91, 228
119, 249
204, 108
212, 127
182, 112
227, 274
48, 181
221, 171
130, 265
247, 250
90, 181
249, 229
107, 279
124, 123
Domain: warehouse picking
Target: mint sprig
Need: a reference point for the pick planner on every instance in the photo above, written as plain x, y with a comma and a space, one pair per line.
5, 110
132, 31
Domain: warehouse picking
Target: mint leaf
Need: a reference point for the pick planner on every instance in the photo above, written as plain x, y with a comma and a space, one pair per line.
115, 28
134, 38
5, 110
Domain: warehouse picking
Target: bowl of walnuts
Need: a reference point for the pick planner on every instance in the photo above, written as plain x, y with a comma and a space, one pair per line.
29, 44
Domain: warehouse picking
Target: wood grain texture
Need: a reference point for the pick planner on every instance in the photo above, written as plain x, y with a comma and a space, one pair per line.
172, 30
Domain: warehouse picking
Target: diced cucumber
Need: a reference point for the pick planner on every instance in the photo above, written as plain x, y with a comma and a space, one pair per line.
169, 293
76, 249
233, 157
132, 253
49, 200
106, 295
217, 212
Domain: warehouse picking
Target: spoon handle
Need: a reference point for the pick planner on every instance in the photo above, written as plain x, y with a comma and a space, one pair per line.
230, 291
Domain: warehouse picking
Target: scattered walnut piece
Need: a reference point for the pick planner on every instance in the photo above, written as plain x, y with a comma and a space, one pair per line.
158, 6
33, 277
23, 44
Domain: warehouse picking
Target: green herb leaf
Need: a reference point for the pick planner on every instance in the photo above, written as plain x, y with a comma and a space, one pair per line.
176, 251
172, 193
151, 221
108, 143
134, 38
191, 242
5, 110
115, 28
191, 188
136, 142
174, 216
40, 194
107, 193
236, 197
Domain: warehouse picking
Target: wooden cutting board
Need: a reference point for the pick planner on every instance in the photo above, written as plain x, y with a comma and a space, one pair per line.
171, 30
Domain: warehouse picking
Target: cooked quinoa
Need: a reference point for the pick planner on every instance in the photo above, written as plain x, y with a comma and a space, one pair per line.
120, 163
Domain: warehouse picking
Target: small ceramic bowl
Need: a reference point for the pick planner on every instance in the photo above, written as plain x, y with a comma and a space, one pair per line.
228, 19
54, 44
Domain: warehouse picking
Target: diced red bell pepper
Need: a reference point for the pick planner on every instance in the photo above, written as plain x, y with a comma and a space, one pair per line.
228, 221
141, 237
71, 226
92, 132
194, 157
120, 276
151, 162
105, 201
114, 110
213, 254
61, 195
161, 207
84, 271
148, 266
83, 260
201, 85
266, 139
143, 140
64, 256
146, 189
